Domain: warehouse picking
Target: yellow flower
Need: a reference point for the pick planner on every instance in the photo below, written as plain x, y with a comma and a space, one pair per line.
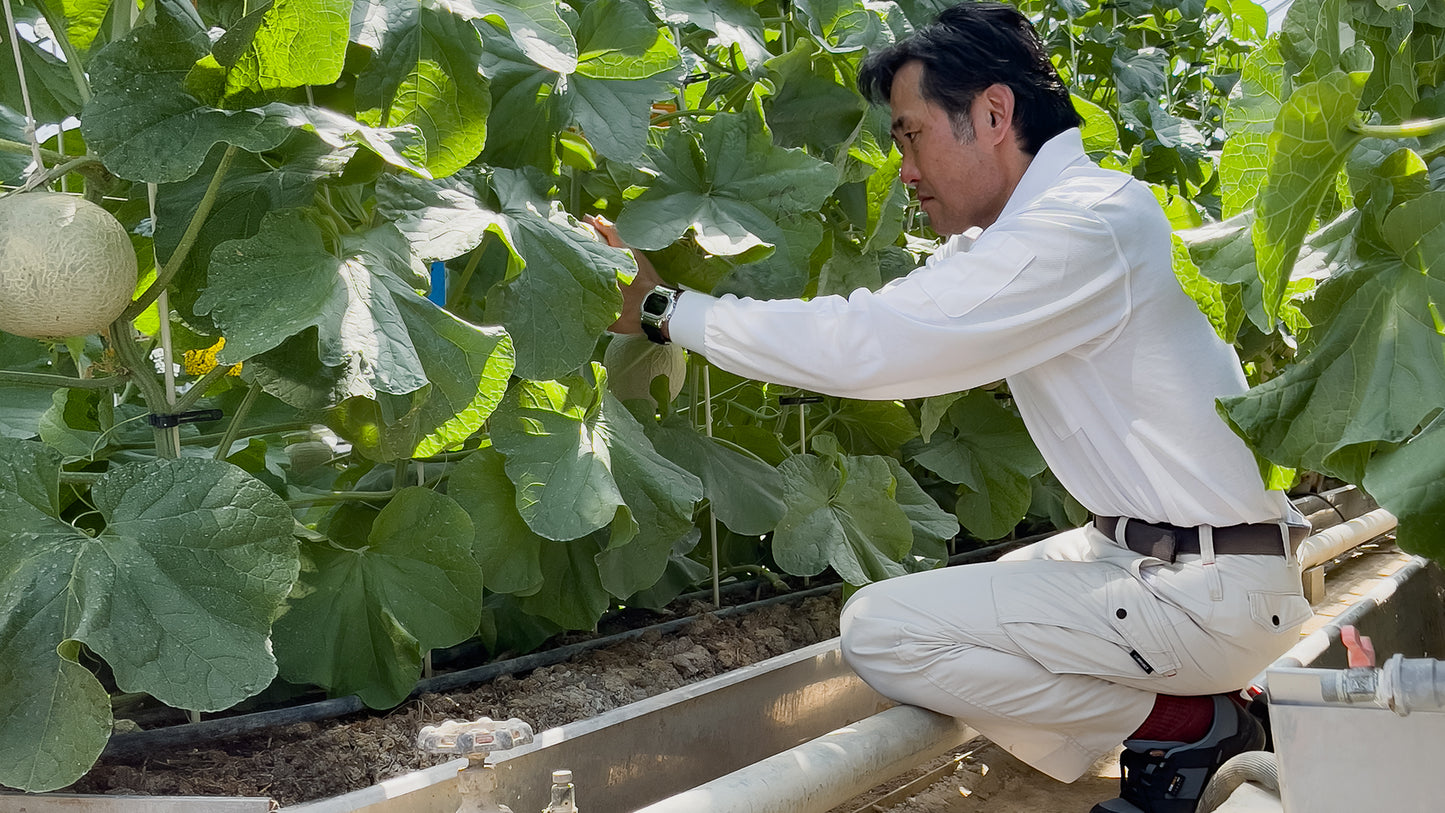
200, 362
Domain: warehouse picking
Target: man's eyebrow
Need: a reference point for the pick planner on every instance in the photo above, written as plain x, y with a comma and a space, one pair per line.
898, 124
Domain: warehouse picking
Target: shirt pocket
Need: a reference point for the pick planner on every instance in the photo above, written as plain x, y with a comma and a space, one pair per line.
959, 284
1080, 626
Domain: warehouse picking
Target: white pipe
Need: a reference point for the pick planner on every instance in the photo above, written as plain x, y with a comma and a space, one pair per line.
1333, 541
823, 773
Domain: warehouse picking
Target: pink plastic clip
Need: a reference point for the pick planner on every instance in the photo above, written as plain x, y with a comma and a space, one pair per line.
1360, 650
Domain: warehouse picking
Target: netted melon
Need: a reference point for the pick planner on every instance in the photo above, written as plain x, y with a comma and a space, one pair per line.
66, 266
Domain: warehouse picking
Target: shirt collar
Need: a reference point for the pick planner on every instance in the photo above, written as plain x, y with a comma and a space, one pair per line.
1056, 155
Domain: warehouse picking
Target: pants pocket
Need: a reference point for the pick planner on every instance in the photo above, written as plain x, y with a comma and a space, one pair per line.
1278, 612
1106, 626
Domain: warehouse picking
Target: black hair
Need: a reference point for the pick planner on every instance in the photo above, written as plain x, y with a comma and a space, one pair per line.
968, 48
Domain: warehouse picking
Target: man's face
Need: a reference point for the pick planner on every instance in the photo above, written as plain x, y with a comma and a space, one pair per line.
959, 182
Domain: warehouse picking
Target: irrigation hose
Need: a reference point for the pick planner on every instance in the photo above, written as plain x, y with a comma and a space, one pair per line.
1259, 767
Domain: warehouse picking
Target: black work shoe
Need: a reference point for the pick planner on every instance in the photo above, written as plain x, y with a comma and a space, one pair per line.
1169, 777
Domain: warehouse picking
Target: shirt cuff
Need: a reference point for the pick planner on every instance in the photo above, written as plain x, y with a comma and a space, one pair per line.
688, 323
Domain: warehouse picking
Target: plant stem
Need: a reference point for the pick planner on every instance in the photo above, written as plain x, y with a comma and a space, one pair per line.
713, 63
21, 148
678, 114
193, 230
72, 56
762, 573
344, 496
138, 367
233, 429
198, 389
1409, 129
59, 171
50, 380
206, 440
466, 277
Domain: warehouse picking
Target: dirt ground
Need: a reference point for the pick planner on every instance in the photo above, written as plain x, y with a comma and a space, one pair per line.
983, 778
316, 760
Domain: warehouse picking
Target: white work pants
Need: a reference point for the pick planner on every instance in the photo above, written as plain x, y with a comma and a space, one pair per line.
1056, 651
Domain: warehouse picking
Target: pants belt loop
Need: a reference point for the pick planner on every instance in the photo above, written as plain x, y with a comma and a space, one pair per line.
1289, 554
1206, 553
1121, 528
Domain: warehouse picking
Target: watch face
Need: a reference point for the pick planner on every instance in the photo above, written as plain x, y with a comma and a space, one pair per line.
655, 303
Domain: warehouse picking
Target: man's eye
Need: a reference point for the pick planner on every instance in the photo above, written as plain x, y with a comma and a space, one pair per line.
911, 136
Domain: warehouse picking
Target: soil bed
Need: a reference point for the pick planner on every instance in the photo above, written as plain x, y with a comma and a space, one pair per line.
307, 761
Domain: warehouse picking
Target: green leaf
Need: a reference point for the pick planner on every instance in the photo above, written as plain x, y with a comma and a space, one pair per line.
368, 319
1409, 481
290, 44
988, 453
557, 456
811, 106
872, 427
843, 26
626, 64
728, 185
660, 497
424, 74
580, 461
364, 614
535, 26
49, 86
252, 188
1101, 134
933, 527
744, 491
1311, 138
566, 293
572, 595
441, 219
22, 405
508, 551
142, 121
733, 21
1140, 74
848, 269
187, 623
1375, 366
1220, 303
563, 290
1249, 119
83, 19
1310, 36
841, 512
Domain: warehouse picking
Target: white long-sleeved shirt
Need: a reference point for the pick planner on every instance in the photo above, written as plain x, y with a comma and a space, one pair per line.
1070, 295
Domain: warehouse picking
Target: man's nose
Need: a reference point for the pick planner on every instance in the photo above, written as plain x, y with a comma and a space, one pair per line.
908, 172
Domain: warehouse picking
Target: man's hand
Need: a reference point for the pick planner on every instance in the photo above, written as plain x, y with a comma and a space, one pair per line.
632, 295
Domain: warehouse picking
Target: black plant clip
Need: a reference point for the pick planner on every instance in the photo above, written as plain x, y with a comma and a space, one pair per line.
796, 400
178, 418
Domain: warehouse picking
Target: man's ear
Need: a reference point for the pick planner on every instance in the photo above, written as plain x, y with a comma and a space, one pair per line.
997, 111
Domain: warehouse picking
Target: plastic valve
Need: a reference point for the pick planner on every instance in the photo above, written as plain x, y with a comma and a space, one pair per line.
473, 737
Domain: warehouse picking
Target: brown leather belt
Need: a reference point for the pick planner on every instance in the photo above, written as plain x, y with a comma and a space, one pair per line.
1169, 541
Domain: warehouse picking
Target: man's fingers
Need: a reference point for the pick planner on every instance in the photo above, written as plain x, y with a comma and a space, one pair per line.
605, 229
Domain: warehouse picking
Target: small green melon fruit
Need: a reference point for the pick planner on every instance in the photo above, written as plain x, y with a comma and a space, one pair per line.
66, 266
632, 362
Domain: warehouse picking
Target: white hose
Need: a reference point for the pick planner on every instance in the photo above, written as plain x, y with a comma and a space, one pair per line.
1259, 767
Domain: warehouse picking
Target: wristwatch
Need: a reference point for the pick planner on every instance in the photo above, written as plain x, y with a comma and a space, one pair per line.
657, 308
